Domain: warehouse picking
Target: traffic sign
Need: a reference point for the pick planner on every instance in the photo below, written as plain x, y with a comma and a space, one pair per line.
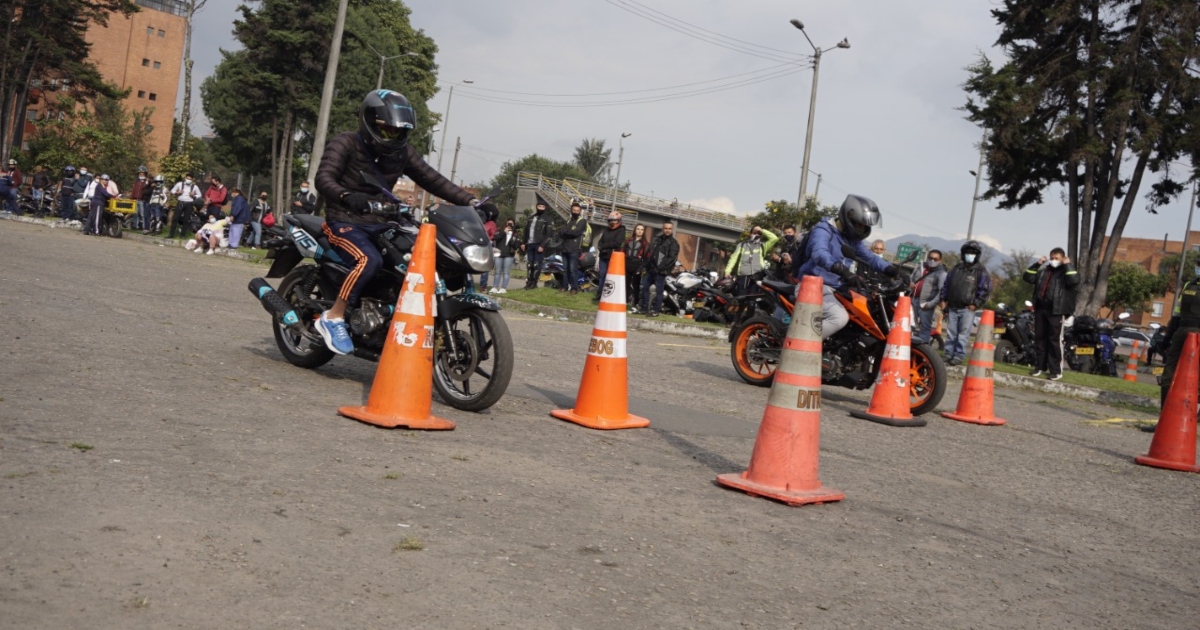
906, 249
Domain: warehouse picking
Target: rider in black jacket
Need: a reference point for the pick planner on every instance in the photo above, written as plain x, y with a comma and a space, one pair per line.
611, 240
380, 148
664, 251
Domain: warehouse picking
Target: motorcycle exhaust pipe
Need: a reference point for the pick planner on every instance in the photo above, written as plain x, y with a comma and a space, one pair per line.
273, 302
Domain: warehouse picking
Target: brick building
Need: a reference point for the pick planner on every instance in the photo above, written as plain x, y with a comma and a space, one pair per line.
142, 53
1149, 253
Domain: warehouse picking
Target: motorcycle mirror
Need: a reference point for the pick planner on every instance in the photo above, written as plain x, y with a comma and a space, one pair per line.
848, 251
911, 256
1028, 304
369, 179
1000, 306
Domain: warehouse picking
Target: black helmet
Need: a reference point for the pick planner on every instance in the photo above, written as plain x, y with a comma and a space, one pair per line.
385, 120
69, 169
143, 169
857, 216
971, 246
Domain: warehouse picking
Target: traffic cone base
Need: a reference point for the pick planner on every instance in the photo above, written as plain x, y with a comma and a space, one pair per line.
784, 464
389, 421
630, 421
603, 398
891, 422
1174, 444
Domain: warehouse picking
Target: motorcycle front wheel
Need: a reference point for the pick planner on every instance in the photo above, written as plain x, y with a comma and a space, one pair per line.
472, 360
755, 351
927, 375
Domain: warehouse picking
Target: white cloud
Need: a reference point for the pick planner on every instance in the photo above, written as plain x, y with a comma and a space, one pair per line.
990, 241
719, 204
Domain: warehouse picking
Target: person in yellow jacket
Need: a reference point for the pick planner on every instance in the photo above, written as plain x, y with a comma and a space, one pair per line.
749, 258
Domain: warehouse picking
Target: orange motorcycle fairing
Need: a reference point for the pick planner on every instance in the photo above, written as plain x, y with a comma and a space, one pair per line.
860, 314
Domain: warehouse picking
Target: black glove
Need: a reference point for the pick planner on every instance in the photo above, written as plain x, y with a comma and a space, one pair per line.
841, 270
489, 210
892, 271
358, 202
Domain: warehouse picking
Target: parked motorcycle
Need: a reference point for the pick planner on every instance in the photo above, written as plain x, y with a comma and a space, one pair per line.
473, 352
1088, 346
1014, 335
589, 275
851, 358
713, 300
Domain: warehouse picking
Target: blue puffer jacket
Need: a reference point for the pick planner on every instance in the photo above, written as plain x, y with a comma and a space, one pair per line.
825, 250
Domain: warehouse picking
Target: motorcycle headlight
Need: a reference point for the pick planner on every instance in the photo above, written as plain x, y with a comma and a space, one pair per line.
479, 258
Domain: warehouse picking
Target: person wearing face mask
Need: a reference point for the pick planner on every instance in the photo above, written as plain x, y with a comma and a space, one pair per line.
533, 243
1054, 281
927, 290
506, 242
572, 234
611, 240
261, 209
140, 192
80, 185
305, 201
749, 258
186, 194
965, 291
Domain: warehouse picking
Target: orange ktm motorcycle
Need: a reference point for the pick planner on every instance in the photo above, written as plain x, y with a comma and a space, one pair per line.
849, 358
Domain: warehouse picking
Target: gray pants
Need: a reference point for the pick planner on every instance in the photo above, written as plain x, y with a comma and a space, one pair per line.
833, 315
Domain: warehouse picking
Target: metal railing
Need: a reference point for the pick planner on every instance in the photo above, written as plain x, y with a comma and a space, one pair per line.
629, 204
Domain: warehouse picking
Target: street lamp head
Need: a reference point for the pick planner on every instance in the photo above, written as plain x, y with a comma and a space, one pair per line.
797, 23
845, 43
468, 81
973, 174
626, 135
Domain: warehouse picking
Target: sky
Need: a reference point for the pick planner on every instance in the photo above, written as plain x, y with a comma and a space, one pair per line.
887, 123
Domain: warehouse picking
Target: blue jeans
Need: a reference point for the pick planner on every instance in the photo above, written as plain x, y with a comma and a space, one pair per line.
570, 270
659, 281
257, 227
958, 332
925, 331
503, 269
11, 204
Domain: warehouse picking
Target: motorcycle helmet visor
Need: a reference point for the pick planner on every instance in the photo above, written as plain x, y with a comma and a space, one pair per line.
391, 133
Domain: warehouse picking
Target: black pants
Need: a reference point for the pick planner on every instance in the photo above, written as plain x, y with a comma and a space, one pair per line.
533, 266
633, 285
747, 284
1047, 341
182, 219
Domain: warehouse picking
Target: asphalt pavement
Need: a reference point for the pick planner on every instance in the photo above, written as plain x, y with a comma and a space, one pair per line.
162, 466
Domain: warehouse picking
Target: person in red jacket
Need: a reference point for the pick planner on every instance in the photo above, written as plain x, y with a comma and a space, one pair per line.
215, 197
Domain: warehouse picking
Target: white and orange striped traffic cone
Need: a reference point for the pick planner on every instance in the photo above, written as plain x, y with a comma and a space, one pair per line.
1131, 364
603, 399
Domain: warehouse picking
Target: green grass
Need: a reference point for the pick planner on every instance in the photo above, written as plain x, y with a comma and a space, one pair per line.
581, 301
1110, 383
409, 543
81, 446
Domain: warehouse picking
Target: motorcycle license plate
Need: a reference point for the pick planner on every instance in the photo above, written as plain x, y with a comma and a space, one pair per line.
1085, 351
999, 331
1156, 371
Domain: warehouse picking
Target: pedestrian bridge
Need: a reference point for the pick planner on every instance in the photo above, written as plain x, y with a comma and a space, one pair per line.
645, 209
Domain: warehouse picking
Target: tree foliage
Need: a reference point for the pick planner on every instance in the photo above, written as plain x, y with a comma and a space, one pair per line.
1008, 285
105, 137
1131, 287
594, 159
1094, 96
779, 214
533, 163
1168, 269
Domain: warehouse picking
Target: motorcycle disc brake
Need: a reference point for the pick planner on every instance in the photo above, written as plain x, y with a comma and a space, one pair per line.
459, 364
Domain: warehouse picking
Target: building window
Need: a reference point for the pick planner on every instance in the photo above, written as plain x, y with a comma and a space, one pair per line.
1156, 310
146, 62
30, 115
174, 7
149, 30
158, 65
141, 93
162, 33
153, 96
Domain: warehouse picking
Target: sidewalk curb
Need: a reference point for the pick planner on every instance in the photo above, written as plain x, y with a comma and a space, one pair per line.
1060, 388
632, 323
155, 240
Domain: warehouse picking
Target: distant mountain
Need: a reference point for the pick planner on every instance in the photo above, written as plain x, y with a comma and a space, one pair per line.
994, 262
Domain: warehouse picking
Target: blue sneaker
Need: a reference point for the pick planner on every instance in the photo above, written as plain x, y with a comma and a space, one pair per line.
334, 332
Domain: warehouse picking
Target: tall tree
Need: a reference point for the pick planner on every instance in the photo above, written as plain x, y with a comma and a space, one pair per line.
594, 159
185, 115
1095, 94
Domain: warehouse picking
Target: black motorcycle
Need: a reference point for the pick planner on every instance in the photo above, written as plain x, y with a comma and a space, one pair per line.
1014, 335
473, 353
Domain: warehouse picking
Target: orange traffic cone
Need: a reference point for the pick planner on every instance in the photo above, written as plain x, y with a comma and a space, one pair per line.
603, 399
402, 394
784, 464
890, 401
1131, 364
976, 403
1174, 443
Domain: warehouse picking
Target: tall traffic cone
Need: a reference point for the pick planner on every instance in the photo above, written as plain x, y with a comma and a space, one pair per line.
784, 463
603, 399
890, 400
402, 394
1131, 364
976, 403
1174, 443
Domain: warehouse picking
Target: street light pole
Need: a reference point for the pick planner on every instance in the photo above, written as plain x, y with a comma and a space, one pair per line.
812, 106
1183, 253
446, 125
335, 53
620, 159
383, 59
978, 176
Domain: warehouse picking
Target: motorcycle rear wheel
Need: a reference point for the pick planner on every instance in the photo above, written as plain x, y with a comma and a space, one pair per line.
476, 373
296, 348
755, 351
1006, 352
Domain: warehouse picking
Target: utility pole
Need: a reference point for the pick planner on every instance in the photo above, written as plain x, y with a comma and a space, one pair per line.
1183, 253
335, 53
817, 192
620, 159
812, 106
978, 176
446, 124
185, 116
454, 164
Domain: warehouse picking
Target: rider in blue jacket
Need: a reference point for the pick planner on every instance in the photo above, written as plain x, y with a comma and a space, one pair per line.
823, 256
